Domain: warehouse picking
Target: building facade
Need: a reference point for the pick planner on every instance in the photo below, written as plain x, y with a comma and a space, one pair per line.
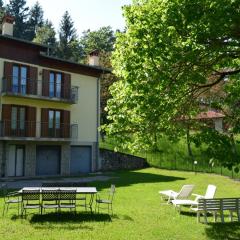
49, 111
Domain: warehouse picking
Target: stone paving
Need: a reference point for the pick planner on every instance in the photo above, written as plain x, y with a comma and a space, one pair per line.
15, 184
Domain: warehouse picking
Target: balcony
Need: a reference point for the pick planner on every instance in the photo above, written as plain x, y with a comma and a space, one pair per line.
34, 90
25, 130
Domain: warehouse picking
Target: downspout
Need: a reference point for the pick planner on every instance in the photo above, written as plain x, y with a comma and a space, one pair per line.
98, 164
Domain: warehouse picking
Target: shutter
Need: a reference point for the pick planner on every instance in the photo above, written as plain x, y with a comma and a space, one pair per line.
66, 124
66, 86
8, 72
32, 81
31, 122
6, 120
44, 122
45, 82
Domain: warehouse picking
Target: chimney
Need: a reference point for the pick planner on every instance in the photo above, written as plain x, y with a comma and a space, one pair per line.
7, 25
93, 58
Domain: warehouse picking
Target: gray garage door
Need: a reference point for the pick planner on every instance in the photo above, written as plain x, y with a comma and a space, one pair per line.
81, 158
48, 160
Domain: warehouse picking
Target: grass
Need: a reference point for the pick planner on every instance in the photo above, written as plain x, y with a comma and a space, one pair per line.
138, 212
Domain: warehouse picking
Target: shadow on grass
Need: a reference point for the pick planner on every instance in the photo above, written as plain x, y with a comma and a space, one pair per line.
66, 217
228, 231
128, 178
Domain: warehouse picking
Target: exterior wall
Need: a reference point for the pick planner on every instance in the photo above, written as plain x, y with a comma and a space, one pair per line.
84, 113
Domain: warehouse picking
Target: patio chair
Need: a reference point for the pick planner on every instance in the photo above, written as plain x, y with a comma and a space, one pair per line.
50, 199
10, 198
106, 202
184, 193
31, 200
210, 192
67, 199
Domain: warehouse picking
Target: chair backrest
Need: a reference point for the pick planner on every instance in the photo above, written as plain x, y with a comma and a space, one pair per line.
111, 192
67, 195
50, 195
185, 192
211, 189
64, 184
30, 195
209, 204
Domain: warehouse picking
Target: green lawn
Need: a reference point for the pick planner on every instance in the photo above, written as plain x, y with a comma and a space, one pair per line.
138, 212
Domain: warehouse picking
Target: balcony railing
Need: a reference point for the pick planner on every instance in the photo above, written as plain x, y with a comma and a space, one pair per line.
27, 129
39, 89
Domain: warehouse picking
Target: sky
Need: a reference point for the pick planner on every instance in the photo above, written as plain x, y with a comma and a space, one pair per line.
86, 14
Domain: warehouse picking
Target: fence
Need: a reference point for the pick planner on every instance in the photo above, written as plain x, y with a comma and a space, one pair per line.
178, 161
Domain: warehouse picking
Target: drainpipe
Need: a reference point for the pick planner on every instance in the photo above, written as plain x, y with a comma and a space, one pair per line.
98, 164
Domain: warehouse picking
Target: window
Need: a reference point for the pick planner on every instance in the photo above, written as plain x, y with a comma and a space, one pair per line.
18, 117
54, 122
19, 79
55, 84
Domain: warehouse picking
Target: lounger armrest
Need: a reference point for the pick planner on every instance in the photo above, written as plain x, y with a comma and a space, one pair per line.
197, 195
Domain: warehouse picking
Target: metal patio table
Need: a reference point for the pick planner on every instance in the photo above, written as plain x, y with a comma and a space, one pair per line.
79, 190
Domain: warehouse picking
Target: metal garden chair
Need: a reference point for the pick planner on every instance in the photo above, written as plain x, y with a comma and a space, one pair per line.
106, 203
10, 198
67, 199
50, 199
31, 200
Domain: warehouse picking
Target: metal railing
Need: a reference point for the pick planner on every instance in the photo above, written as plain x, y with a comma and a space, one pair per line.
39, 88
30, 129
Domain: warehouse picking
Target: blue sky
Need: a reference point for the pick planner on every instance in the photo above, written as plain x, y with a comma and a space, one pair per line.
86, 14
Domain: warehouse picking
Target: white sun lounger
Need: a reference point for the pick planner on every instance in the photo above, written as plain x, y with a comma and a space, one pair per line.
184, 193
211, 189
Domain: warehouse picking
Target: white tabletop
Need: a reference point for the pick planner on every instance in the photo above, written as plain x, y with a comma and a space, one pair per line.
86, 190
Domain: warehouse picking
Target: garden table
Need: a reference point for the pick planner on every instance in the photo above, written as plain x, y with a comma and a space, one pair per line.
79, 190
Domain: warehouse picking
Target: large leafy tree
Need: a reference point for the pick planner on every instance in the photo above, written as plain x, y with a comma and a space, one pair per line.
171, 53
35, 20
19, 10
102, 39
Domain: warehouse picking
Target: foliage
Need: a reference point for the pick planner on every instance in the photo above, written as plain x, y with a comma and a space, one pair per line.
67, 35
2, 9
35, 20
171, 53
19, 10
102, 39
46, 35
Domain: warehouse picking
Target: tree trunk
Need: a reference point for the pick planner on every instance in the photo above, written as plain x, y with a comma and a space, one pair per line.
190, 154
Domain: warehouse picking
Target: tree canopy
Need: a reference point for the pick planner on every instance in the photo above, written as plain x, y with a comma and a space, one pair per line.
19, 10
171, 54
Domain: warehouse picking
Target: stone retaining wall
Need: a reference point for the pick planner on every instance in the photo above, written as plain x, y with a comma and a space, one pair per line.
119, 161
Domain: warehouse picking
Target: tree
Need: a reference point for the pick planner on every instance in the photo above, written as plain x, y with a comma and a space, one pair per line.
46, 35
35, 20
2, 9
171, 53
67, 35
102, 39
18, 9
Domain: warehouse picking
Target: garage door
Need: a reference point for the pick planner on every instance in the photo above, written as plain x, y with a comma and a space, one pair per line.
81, 158
48, 160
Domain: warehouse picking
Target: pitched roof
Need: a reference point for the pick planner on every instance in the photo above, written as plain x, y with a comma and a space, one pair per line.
209, 115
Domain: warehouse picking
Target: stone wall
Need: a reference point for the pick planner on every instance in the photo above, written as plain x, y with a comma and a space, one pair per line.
119, 161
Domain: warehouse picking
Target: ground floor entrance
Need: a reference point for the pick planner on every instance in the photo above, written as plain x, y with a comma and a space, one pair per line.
15, 161
81, 159
36, 158
48, 160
